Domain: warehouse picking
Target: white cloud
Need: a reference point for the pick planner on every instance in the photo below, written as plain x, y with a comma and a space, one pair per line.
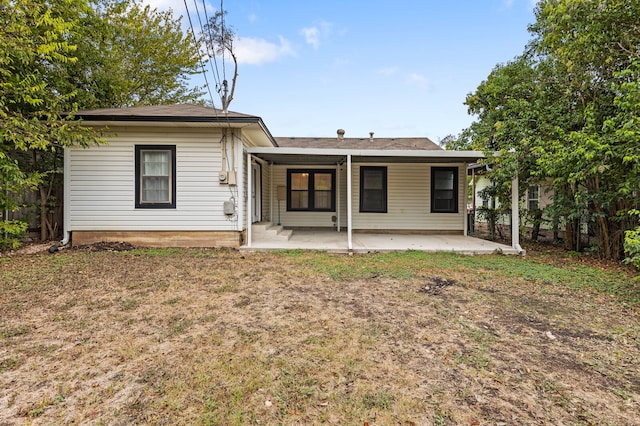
507, 3
388, 71
253, 18
257, 51
312, 36
418, 80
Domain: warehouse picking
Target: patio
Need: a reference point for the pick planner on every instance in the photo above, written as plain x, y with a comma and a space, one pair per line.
333, 241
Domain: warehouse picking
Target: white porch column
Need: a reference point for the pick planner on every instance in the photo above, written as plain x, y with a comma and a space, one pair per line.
466, 200
339, 194
271, 216
349, 210
515, 215
249, 204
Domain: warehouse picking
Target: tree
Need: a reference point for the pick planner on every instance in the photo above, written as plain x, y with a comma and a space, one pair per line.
58, 57
130, 54
34, 41
568, 106
218, 38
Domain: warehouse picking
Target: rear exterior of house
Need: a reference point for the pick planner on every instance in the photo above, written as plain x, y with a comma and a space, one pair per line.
168, 176
537, 197
188, 175
390, 192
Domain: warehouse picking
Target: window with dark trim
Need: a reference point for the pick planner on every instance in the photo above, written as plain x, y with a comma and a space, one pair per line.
311, 190
444, 190
533, 197
155, 176
373, 189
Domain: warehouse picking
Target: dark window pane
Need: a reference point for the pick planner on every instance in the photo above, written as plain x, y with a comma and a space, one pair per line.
444, 179
300, 199
322, 181
299, 181
373, 179
373, 189
311, 190
444, 190
322, 200
373, 200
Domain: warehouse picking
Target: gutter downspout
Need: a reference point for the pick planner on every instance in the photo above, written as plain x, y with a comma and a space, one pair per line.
249, 212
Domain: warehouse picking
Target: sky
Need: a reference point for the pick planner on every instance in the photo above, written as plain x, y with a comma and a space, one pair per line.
398, 69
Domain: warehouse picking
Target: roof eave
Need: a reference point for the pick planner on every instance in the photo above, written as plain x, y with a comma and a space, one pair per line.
435, 156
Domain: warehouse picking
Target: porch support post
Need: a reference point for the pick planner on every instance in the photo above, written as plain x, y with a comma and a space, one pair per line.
515, 215
349, 209
466, 203
271, 216
339, 194
248, 195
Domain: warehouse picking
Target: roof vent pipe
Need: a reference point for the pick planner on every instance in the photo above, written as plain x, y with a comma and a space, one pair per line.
341, 134
370, 136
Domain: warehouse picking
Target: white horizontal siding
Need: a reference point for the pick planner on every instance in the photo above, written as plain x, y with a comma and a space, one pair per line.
409, 200
102, 183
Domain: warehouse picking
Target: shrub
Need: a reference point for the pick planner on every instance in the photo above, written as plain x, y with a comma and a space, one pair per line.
10, 233
632, 247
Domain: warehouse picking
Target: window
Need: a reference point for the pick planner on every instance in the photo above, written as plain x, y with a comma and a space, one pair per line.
311, 190
373, 189
444, 190
155, 176
533, 197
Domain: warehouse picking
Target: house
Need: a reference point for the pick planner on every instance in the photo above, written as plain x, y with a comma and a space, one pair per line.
533, 201
189, 175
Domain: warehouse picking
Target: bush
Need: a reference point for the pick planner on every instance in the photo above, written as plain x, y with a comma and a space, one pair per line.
10, 233
632, 247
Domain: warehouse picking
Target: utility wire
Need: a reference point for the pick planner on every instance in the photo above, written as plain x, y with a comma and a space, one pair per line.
224, 71
202, 32
216, 74
204, 70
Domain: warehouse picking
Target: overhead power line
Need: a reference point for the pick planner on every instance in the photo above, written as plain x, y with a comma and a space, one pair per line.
195, 42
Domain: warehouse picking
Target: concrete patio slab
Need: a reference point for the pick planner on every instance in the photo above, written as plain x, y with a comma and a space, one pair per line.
333, 241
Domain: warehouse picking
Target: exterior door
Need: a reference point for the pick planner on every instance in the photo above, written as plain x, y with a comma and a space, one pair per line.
256, 190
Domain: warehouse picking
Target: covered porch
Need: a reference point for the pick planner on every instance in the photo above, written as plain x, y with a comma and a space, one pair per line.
409, 221
267, 237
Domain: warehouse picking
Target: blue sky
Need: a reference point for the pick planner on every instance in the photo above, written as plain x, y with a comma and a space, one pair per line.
399, 69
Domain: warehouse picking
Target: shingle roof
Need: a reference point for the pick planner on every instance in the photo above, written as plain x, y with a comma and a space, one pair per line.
178, 112
359, 143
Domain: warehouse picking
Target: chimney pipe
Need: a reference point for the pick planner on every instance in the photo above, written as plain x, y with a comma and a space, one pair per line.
341, 134
370, 136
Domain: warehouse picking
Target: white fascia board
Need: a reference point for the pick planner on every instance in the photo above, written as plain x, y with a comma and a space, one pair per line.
462, 155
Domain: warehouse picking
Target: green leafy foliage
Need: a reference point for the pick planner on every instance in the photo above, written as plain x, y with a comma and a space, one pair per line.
567, 111
58, 57
632, 247
10, 233
130, 54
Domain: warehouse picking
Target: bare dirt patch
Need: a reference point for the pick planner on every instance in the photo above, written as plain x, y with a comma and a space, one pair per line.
95, 335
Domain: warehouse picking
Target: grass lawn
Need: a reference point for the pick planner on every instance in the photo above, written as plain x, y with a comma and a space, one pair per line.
221, 337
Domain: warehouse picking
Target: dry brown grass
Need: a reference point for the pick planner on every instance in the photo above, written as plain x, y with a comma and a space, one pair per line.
221, 337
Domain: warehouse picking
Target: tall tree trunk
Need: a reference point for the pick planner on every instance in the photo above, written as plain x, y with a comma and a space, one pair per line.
570, 239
